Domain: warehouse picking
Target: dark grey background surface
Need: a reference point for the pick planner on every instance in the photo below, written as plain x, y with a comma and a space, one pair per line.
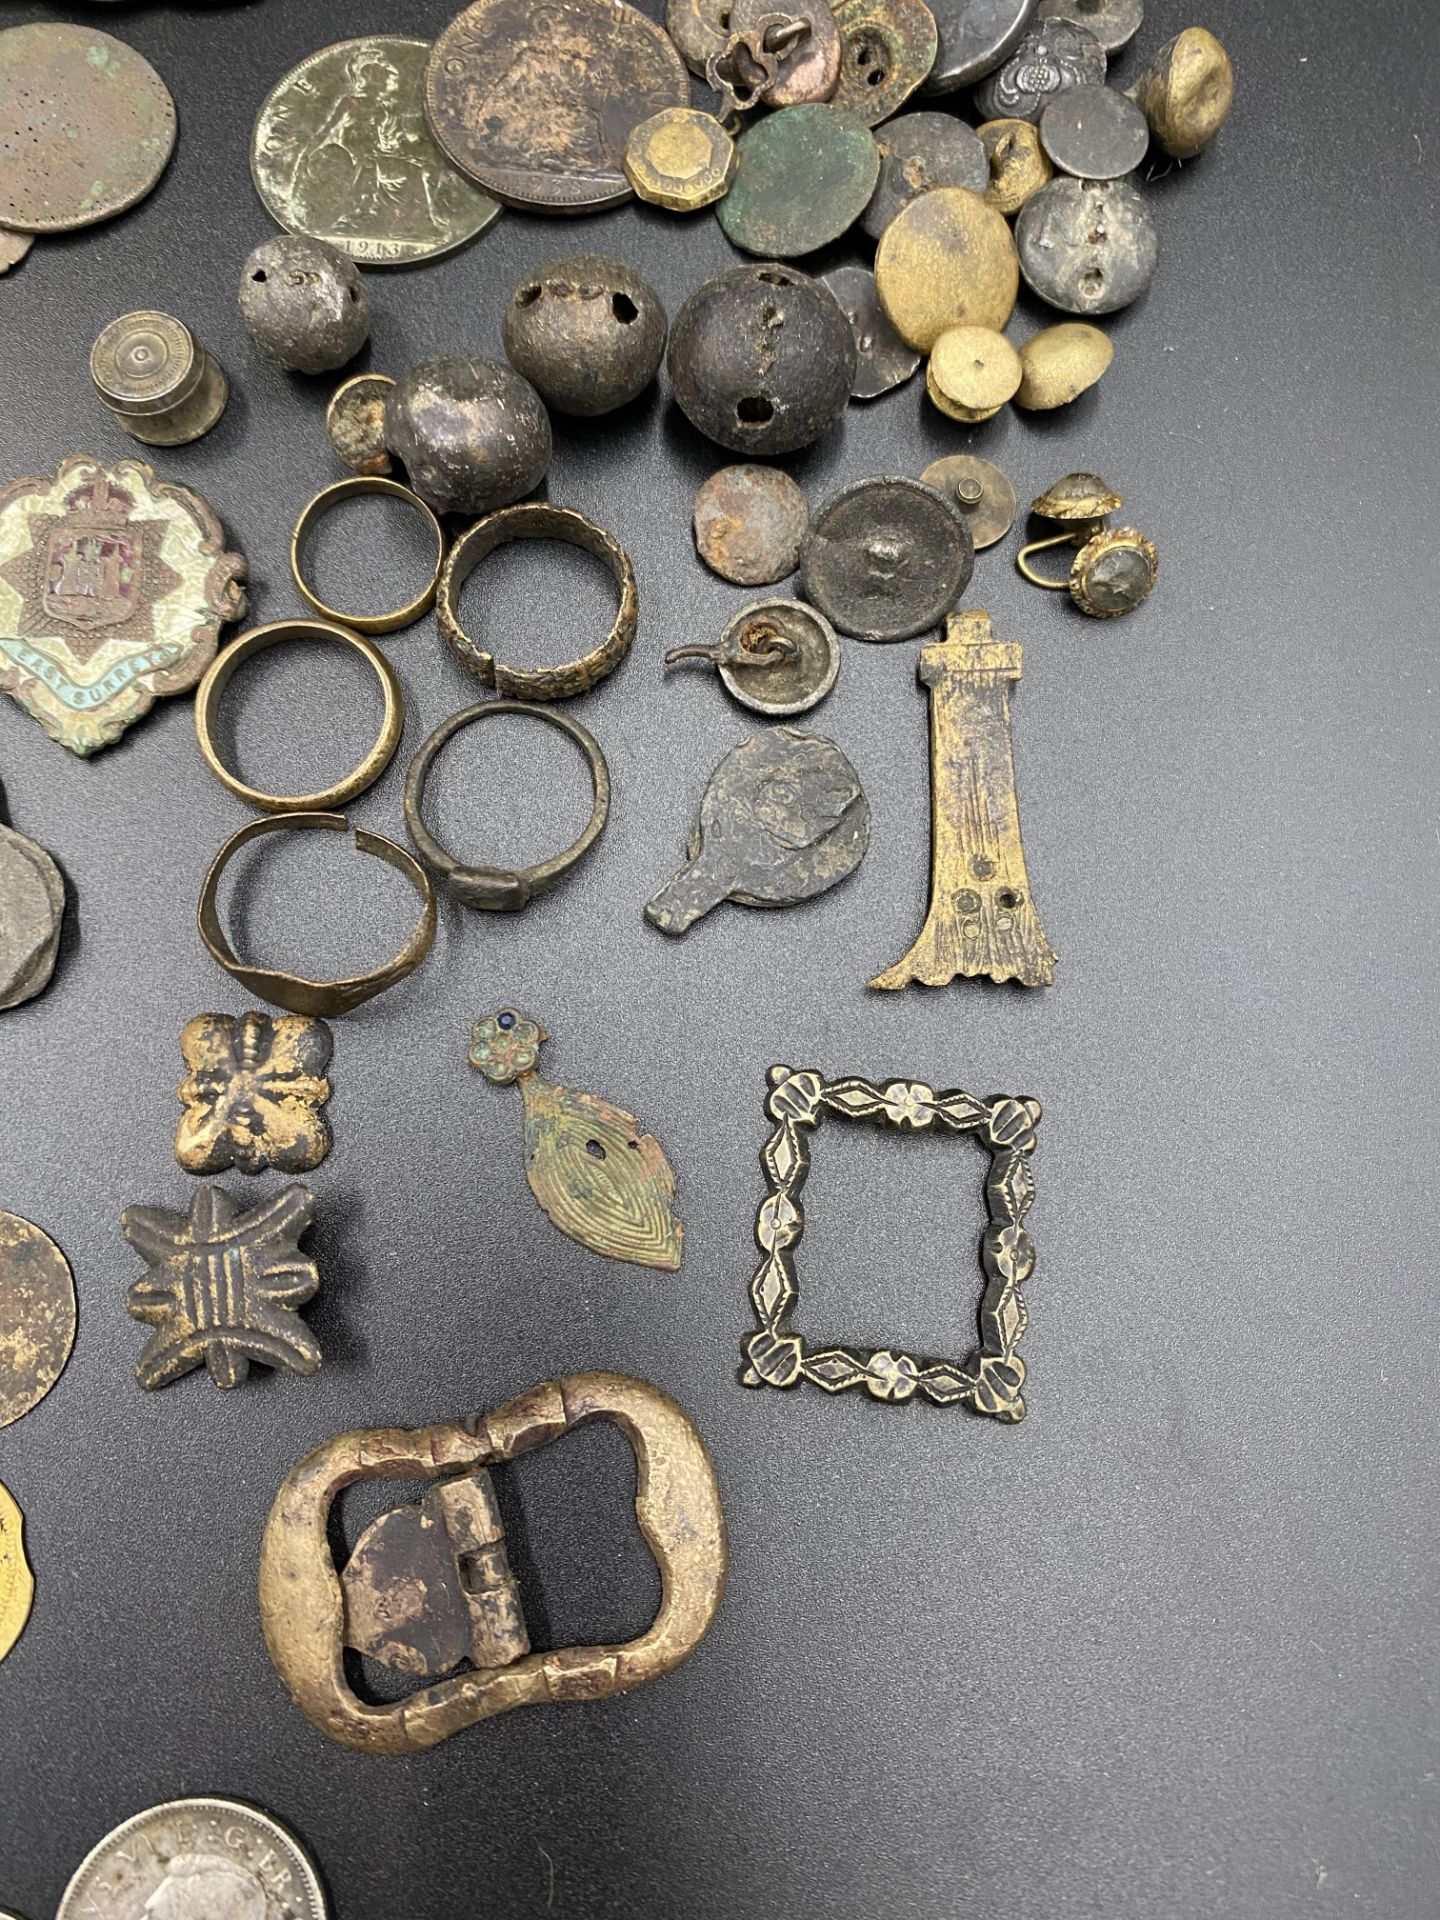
1170, 1646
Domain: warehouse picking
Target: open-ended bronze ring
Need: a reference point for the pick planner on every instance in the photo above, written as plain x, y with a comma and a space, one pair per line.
502, 889
536, 520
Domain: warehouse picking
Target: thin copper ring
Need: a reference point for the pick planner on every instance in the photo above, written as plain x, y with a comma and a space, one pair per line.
331, 496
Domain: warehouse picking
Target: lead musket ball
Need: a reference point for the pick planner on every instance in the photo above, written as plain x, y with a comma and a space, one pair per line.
471, 434
587, 332
304, 303
1186, 92
761, 358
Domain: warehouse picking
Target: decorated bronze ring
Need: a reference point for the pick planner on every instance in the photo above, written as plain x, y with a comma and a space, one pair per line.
537, 520
503, 889
331, 496
217, 676
293, 991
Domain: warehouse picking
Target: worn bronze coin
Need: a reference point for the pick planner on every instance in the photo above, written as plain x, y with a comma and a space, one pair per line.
355, 422
32, 906
975, 36
1087, 246
749, 523
887, 558
13, 248
535, 99
887, 48
946, 260
341, 151
980, 490
86, 127
1050, 58
882, 359
205, 1859
919, 151
805, 176
1114, 23
37, 1316
17, 1583
1094, 133
1019, 165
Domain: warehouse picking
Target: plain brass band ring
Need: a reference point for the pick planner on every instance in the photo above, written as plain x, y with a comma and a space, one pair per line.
1038, 546
503, 889
537, 520
331, 496
217, 676
290, 990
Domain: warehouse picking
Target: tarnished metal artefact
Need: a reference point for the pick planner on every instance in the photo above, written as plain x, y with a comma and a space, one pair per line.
784, 818
113, 588
254, 1093
777, 657
919, 151
746, 70
1019, 165
86, 127
1094, 133
204, 1859
13, 248
37, 1316
1087, 246
341, 150
587, 332
1114, 23
946, 260
1060, 363
536, 100
538, 520
503, 889
306, 1606
805, 177
887, 48
1054, 55
32, 909
223, 1286
17, 1582
980, 490
761, 358
976, 36
680, 159
971, 373
1115, 567
882, 359
887, 558
749, 523
352, 487
304, 303
1185, 93
295, 992
991, 1379
808, 62
471, 434
355, 423
698, 28
597, 1177
163, 387
982, 920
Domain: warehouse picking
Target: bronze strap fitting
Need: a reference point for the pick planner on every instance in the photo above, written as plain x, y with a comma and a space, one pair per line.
332, 496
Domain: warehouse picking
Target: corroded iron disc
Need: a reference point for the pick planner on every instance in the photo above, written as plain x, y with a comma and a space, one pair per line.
37, 1316
536, 99
86, 127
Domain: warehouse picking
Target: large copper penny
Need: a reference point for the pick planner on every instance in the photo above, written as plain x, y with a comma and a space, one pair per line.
536, 99
37, 1316
86, 127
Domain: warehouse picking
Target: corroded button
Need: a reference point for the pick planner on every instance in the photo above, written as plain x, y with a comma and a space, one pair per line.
1049, 59
980, 490
1114, 23
919, 151
1087, 246
1060, 363
946, 260
697, 30
37, 1316
975, 37
680, 159
32, 906
1186, 92
1018, 163
805, 176
749, 524
1094, 133
887, 558
355, 422
777, 657
887, 47
155, 377
810, 70
882, 359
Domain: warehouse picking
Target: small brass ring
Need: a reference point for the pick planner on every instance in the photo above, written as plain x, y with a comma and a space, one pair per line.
1037, 546
503, 889
217, 676
291, 990
537, 520
331, 496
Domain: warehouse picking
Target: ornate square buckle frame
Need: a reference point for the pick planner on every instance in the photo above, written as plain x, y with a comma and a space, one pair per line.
990, 1381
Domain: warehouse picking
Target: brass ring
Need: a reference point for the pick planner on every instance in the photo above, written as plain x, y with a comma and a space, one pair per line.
503, 889
217, 676
291, 990
537, 520
331, 496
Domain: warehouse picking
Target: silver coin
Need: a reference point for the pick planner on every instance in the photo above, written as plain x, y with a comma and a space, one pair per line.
1094, 133
919, 151
195, 1860
1114, 23
1087, 246
882, 358
1049, 59
975, 37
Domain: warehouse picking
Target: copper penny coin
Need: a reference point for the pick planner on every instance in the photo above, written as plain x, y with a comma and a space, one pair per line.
536, 99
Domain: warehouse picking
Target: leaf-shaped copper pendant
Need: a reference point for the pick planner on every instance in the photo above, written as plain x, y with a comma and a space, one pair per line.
601, 1180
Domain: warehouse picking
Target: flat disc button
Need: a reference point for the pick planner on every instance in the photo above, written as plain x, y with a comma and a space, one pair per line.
882, 358
1094, 133
1047, 61
1087, 246
887, 558
919, 151
980, 490
1114, 23
975, 37
806, 174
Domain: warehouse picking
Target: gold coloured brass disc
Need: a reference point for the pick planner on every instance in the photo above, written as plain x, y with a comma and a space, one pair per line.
981, 491
37, 1316
17, 1583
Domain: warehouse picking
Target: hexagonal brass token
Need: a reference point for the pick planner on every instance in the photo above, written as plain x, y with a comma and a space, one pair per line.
680, 159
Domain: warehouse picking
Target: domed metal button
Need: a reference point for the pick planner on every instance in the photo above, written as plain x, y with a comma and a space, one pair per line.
887, 558
1094, 133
